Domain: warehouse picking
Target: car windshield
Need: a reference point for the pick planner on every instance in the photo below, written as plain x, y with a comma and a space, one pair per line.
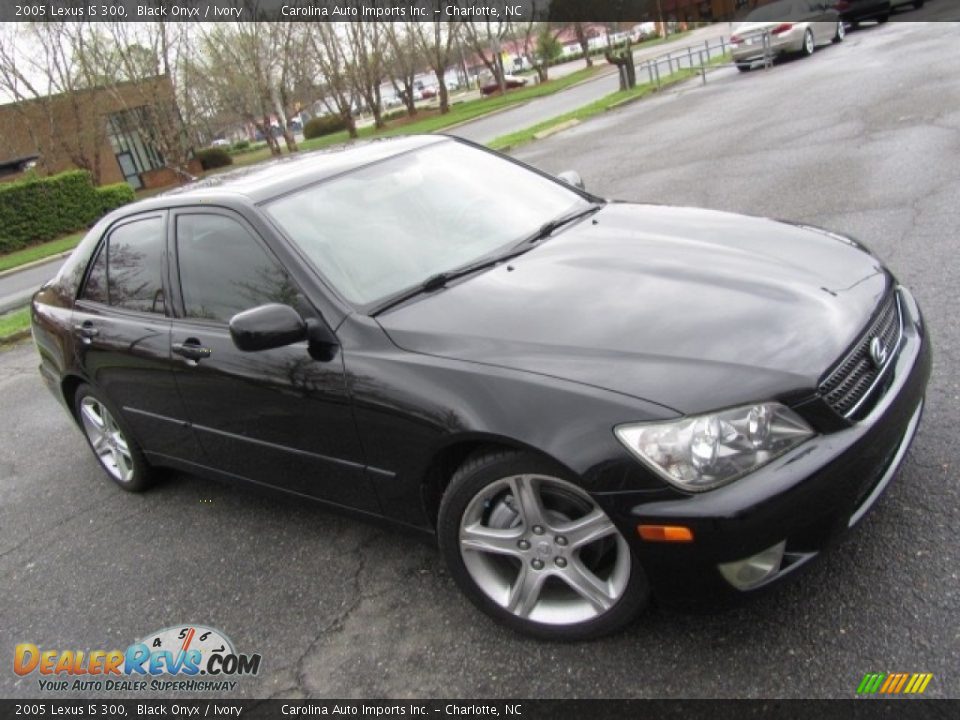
388, 227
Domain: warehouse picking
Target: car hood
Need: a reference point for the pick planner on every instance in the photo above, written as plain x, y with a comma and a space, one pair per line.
691, 309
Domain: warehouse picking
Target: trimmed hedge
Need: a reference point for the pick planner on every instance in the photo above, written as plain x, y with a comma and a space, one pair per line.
41, 208
325, 125
213, 158
113, 196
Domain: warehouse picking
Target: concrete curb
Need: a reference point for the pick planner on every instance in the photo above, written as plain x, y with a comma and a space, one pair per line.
15, 337
34, 263
554, 129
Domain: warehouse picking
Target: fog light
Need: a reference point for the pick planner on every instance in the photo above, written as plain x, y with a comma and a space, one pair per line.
753, 571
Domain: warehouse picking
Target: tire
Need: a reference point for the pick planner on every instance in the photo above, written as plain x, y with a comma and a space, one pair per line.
743, 68
508, 531
918, 4
882, 19
840, 33
111, 442
809, 44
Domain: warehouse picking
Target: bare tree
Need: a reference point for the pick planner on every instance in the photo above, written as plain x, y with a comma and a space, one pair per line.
125, 59
403, 61
247, 66
485, 37
436, 40
581, 34
539, 43
327, 51
38, 70
366, 68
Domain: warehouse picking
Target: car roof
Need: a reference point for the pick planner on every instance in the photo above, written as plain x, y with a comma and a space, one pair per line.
276, 177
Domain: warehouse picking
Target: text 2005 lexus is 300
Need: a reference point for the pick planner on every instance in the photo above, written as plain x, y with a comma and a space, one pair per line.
586, 402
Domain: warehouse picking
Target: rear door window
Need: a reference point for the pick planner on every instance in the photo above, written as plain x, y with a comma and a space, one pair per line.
127, 271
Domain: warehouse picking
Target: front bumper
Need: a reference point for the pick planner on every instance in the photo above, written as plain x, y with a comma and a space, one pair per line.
807, 497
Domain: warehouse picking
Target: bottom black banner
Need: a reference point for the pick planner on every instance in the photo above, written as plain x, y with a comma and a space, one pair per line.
904, 709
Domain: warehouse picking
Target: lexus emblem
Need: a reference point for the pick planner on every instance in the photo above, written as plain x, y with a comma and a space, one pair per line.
878, 352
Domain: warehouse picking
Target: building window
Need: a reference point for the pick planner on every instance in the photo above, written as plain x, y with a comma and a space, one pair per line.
134, 151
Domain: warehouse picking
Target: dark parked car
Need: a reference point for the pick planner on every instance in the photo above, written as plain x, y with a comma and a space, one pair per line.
856, 11
584, 402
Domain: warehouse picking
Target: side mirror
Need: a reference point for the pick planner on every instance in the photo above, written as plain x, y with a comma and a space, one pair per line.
267, 327
572, 177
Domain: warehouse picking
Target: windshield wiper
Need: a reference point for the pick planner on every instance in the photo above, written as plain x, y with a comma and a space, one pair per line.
551, 226
441, 279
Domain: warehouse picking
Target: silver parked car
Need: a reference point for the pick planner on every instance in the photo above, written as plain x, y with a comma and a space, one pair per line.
786, 26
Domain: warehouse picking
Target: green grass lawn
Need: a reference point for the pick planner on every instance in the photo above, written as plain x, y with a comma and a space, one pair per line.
14, 322
40, 251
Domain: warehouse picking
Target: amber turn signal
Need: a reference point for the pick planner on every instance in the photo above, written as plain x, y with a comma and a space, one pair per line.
665, 533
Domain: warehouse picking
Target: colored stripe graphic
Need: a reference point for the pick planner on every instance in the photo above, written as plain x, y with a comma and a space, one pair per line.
894, 683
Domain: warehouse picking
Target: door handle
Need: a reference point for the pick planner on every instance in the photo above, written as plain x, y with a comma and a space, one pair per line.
86, 330
191, 349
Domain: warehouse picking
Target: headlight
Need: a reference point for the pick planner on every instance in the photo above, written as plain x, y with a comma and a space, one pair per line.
700, 452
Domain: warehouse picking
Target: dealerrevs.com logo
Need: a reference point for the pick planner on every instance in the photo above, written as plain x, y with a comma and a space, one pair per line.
187, 658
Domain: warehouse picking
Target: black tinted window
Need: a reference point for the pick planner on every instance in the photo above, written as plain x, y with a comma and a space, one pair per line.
128, 268
95, 288
224, 270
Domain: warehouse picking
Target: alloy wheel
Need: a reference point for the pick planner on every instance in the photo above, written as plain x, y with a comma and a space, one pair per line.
106, 439
543, 550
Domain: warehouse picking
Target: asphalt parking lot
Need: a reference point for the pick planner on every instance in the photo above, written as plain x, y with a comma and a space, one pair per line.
862, 137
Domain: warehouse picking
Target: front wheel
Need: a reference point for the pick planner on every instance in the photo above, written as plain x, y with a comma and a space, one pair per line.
115, 450
841, 32
809, 44
535, 551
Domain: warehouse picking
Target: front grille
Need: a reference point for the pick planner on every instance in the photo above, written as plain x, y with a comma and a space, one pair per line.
850, 383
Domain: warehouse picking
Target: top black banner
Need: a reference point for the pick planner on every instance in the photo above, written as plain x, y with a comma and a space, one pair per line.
637, 11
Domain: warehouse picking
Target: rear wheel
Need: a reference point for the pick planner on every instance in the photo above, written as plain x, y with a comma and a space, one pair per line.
882, 19
809, 45
743, 68
535, 551
112, 445
918, 4
841, 32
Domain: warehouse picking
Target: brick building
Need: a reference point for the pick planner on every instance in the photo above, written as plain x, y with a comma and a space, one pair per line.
110, 131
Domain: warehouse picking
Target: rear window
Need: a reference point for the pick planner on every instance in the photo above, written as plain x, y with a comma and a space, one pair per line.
127, 270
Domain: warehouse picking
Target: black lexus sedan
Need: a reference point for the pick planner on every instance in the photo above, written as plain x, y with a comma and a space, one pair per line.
587, 403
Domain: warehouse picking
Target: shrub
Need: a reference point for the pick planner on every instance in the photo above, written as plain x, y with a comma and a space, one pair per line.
36, 209
389, 115
320, 126
113, 196
241, 145
213, 158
